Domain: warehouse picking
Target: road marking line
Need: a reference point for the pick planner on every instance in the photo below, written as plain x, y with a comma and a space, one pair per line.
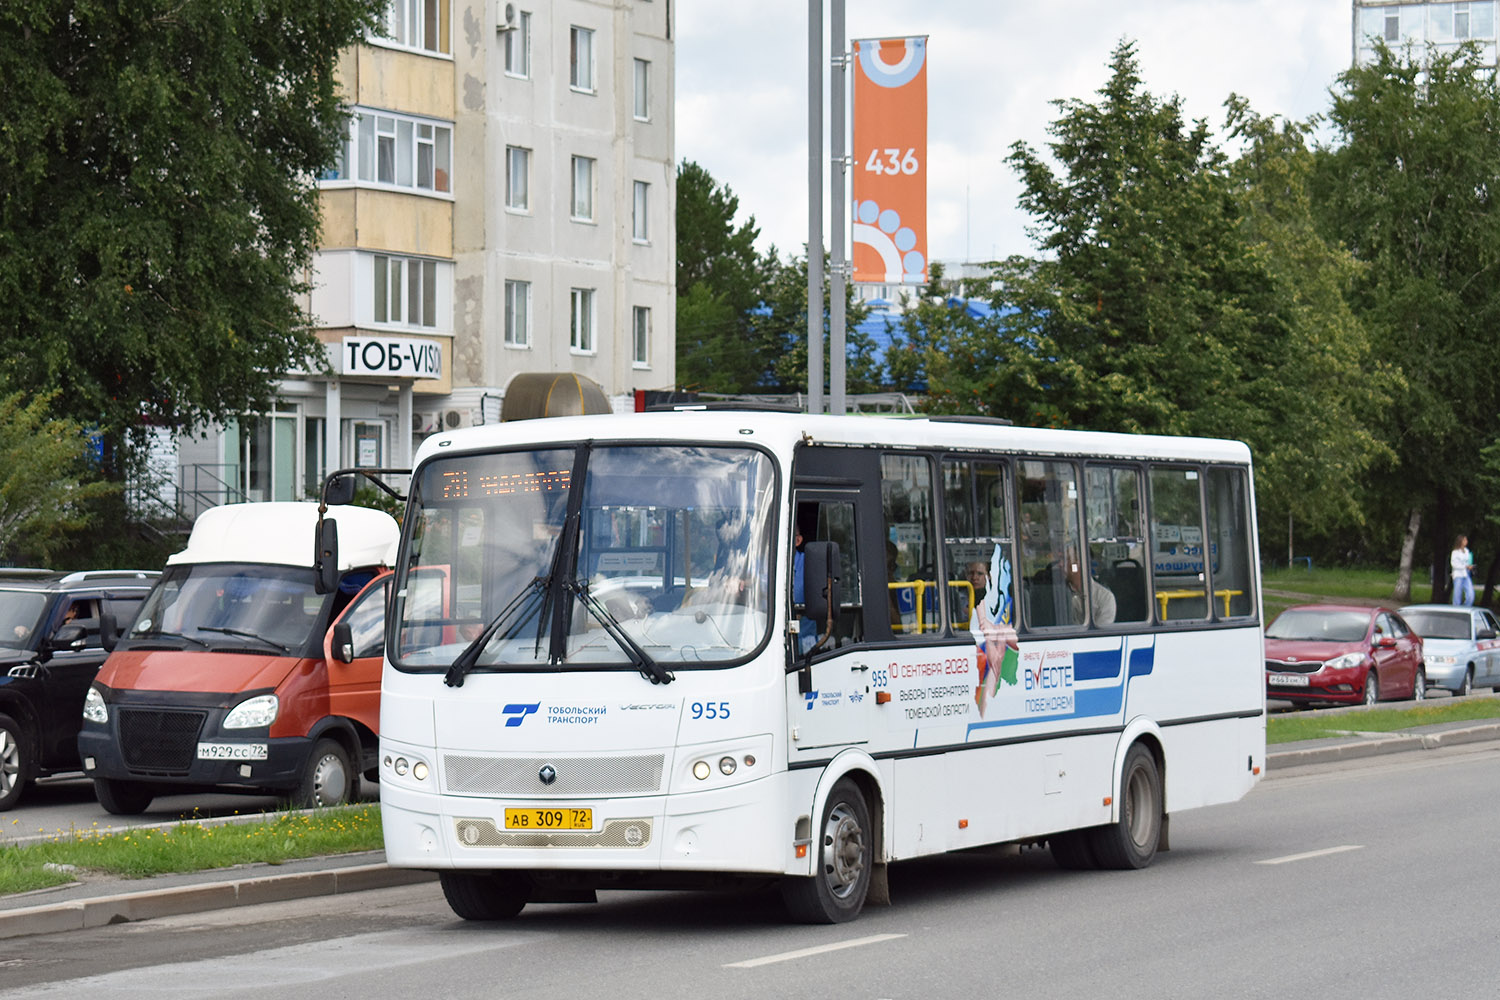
1312, 854
787, 956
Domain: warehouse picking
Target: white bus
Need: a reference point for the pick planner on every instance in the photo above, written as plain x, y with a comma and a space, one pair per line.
711, 648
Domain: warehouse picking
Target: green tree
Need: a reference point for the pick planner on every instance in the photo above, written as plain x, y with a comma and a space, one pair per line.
48, 479
1144, 310
159, 210
1408, 182
1323, 394
719, 277
780, 323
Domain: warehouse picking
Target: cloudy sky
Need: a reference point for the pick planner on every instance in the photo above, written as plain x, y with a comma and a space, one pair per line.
994, 66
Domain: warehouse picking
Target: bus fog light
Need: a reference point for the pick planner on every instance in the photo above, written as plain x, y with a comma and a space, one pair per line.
726, 765
401, 766
701, 770
749, 760
419, 771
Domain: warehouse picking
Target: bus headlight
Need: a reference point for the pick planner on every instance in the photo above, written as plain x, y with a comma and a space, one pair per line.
94, 709
253, 713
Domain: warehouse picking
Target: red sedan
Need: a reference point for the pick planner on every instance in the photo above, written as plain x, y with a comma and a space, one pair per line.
1342, 653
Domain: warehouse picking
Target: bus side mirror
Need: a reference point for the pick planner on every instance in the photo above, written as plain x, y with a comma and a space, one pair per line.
341, 647
326, 556
339, 490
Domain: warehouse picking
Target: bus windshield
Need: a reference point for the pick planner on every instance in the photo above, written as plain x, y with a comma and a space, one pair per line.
661, 560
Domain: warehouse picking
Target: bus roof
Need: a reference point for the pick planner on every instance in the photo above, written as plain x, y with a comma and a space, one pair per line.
781, 431
283, 533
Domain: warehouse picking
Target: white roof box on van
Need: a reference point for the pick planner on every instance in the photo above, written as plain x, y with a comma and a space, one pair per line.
283, 533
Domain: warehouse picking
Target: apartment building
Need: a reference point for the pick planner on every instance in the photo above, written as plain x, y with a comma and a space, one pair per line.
1424, 26
504, 202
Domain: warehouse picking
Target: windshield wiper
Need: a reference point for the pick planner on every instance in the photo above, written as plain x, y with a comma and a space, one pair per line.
649, 668
162, 634
242, 633
465, 661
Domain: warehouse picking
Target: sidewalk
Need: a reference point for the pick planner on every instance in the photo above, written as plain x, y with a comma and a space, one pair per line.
99, 901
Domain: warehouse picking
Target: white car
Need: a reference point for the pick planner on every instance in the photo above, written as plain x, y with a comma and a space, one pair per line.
1460, 645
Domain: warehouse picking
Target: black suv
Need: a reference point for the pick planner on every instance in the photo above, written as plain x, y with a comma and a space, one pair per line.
55, 631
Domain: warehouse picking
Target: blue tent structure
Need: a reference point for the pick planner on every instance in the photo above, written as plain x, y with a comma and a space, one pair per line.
884, 322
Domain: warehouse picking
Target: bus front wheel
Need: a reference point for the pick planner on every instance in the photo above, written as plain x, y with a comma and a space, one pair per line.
1131, 841
485, 895
843, 864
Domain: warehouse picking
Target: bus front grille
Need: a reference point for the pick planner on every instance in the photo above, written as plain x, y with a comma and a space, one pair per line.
572, 776
159, 741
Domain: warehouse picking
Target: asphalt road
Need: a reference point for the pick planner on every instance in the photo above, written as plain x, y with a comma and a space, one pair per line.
1365, 879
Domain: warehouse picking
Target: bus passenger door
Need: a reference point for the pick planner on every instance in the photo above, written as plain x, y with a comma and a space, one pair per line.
829, 696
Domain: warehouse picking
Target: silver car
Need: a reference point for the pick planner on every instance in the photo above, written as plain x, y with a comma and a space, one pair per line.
1459, 645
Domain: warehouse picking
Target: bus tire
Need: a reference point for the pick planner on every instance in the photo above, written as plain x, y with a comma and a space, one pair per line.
328, 777
123, 798
1131, 841
845, 860
485, 895
1071, 850
16, 762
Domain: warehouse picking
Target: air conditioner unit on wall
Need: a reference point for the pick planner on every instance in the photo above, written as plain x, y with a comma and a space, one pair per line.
505, 17
426, 423
453, 419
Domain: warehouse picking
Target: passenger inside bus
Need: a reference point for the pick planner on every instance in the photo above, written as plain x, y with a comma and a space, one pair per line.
1100, 597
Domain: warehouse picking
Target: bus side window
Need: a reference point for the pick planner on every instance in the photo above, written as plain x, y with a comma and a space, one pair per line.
913, 590
1177, 544
1117, 541
1049, 544
1229, 543
832, 521
977, 541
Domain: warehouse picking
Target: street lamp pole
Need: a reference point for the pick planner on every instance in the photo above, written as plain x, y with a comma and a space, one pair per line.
814, 206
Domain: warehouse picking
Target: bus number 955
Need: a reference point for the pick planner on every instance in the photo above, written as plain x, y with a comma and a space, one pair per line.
710, 709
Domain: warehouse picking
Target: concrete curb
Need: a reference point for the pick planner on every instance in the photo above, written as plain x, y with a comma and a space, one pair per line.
1374, 745
100, 911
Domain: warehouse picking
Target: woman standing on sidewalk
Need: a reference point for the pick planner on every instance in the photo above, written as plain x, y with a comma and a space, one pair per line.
1459, 561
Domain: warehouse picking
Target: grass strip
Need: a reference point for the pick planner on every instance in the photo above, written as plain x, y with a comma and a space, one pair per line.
1295, 726
1372, 584
190, 846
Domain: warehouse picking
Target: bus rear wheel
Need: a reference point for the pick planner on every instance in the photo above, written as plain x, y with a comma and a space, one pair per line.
1131, 841
485, 895
844, 862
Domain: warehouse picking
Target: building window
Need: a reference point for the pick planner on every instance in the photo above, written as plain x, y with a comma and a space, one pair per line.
581, 338
517, 178
1393, 25
397, 150
640, 226
518, 47
418, 24
642, 90
518, 314
405, 290
640, 350
583, 189
581, 59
